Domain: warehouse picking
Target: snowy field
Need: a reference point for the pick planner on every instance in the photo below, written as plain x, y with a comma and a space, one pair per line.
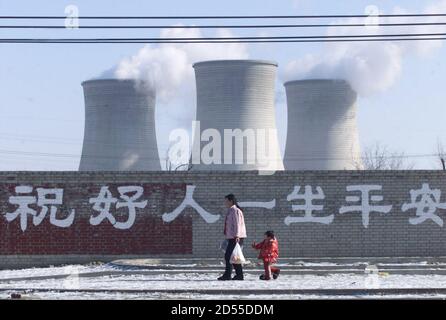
166, 296
73, 280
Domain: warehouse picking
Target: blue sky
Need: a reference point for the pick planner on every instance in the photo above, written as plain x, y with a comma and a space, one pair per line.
41, 99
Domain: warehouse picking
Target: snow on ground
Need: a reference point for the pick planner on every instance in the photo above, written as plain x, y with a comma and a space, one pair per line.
195, 296
48, 271
199, 280
208, 281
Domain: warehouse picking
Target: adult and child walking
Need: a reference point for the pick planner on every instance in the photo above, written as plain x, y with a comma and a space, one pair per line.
235, 233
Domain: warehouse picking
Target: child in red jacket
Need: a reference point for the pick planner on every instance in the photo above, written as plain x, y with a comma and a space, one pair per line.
269, 252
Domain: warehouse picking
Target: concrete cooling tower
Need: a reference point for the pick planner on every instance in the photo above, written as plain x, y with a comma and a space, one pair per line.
322, 131
236, 96
119, 127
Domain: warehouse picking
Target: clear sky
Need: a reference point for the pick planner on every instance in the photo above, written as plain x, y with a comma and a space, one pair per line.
41, 99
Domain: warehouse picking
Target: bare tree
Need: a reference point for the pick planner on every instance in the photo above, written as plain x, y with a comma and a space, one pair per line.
379, 157
168, 162
441, 154
174, 166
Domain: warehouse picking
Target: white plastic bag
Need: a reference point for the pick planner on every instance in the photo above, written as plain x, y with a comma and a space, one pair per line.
237, 256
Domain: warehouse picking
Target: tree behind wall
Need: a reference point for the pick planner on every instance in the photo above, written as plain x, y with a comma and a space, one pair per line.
441, 154
380, 157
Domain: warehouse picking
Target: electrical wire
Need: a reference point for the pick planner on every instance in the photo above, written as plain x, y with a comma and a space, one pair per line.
225, 17
271, 26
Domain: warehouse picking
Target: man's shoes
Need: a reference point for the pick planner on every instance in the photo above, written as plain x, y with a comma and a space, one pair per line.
262, 277
237, 278
224, 278
276, 274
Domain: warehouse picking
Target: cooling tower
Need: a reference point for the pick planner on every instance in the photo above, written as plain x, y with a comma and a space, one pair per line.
322, 132
235, 100
119, 127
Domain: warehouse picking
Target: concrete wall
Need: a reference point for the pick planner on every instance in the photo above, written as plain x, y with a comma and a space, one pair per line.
402, 231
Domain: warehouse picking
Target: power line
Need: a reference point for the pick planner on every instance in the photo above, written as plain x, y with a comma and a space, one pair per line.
61, 141
65, 155
224, 26
226, 17
49, 41
251, 38
102, 143
313, 38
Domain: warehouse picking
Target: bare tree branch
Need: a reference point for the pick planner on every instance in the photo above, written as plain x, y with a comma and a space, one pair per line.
379, 157
441, 154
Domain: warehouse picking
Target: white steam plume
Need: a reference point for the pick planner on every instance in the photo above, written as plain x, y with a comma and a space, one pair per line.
168, 67
370, 67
